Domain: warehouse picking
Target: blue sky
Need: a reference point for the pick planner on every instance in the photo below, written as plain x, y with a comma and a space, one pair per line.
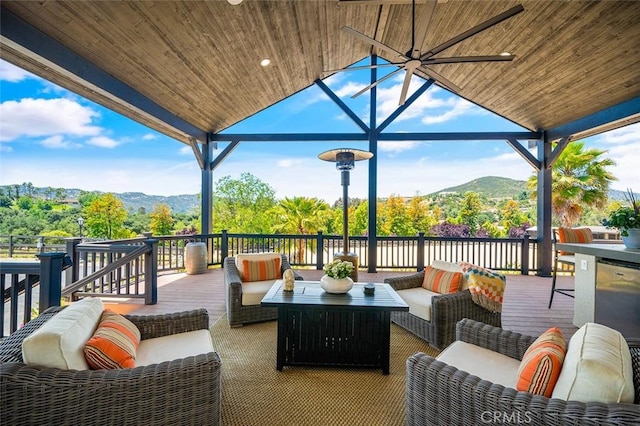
52, 137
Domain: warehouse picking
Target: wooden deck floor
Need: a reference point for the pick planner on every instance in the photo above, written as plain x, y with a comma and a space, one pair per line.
524, 311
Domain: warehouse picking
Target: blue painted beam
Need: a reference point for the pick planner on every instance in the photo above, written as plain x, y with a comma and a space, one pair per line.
529, 158
342, 105
27, 37
225, 152
608, 115
314, 137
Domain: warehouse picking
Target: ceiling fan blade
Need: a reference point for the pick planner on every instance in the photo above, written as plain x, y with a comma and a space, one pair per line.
440, 80
461, 59
422, 26
473, 31
405, 86
365, 67
371, 86
373, 42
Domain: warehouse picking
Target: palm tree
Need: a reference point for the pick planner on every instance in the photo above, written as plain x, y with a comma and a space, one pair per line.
579, 178
300, 215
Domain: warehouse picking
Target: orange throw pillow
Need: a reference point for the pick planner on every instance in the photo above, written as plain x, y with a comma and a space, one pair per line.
541, 363
574, 235
261, 270
114, 344
441, 281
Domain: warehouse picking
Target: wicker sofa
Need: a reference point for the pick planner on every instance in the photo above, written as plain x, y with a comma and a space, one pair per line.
446, 310
184, 391
241, 311
440, 394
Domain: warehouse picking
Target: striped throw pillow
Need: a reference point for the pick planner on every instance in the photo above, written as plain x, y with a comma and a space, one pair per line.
114, 344
574, 235
541, 363
261, 270
441, 281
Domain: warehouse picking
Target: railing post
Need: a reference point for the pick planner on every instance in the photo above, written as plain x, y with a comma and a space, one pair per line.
151, 272
51, 265
224, 246
524, 268
420, 251
73, 273
320, 251
10, 245
40, 245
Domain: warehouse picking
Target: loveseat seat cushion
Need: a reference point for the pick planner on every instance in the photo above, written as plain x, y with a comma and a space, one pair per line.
481, 362
59, 343
174, 346
596, 368
419, 301
254, 292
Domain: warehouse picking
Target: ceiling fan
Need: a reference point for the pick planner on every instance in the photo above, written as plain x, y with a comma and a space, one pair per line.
417, 59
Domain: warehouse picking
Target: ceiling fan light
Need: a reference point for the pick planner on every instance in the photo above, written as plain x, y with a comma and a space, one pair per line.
265, 62
234, 2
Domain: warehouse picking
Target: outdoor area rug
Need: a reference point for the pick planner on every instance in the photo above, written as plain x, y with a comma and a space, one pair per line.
255, 393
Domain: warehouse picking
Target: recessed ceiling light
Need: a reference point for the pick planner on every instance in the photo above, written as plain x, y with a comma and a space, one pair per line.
234, 2
505, 54
265, 62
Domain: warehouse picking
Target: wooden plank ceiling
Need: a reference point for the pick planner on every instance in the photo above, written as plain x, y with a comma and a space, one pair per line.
201, 59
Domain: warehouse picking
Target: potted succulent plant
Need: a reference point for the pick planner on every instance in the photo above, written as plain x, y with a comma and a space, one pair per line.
337, 277
626, 219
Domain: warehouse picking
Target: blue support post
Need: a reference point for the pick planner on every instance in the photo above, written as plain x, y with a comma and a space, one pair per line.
151, 272
420, 252
51, 266
320, 251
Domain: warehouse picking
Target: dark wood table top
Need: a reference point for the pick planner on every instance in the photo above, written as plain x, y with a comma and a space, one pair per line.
311, 294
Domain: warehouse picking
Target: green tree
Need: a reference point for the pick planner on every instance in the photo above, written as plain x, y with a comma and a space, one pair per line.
241, 205
300, 215
105, 216
161, 220
422, 218
579, 178
470, 210
512, 215
396, 217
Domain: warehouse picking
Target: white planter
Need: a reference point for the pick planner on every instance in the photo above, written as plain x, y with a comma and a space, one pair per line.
633, 240
195, 258
336, 286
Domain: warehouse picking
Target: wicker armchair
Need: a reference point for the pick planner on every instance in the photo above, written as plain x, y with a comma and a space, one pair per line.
439, 394
446, 311
237, 313
180, 392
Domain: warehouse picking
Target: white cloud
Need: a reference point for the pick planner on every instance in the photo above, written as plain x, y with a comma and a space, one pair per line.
459, 107
149, 137
12, 73
103, 142
58, 142
30, 117
623, 135
397, 146
186, 150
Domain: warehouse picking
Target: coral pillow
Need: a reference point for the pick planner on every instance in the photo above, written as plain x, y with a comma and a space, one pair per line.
574, 235
261, 270
541, 363
441, 281
114, 343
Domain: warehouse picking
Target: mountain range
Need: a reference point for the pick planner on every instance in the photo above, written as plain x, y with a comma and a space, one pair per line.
490, 186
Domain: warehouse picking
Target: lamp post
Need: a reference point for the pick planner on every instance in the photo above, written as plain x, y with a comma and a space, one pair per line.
345, 159
80, 223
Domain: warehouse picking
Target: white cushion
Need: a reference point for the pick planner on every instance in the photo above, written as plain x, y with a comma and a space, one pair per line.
597, 367
175, 346
484, 363
252, 256
60, 341
419, 301
451, 267
253, 292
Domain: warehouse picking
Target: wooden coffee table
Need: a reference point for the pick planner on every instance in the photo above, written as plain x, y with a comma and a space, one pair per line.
334, 330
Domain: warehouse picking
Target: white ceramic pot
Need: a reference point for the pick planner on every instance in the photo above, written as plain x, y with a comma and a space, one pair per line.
336, 285
633, 240
195, 258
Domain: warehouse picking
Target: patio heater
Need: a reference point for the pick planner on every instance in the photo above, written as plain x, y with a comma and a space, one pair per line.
345, 159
